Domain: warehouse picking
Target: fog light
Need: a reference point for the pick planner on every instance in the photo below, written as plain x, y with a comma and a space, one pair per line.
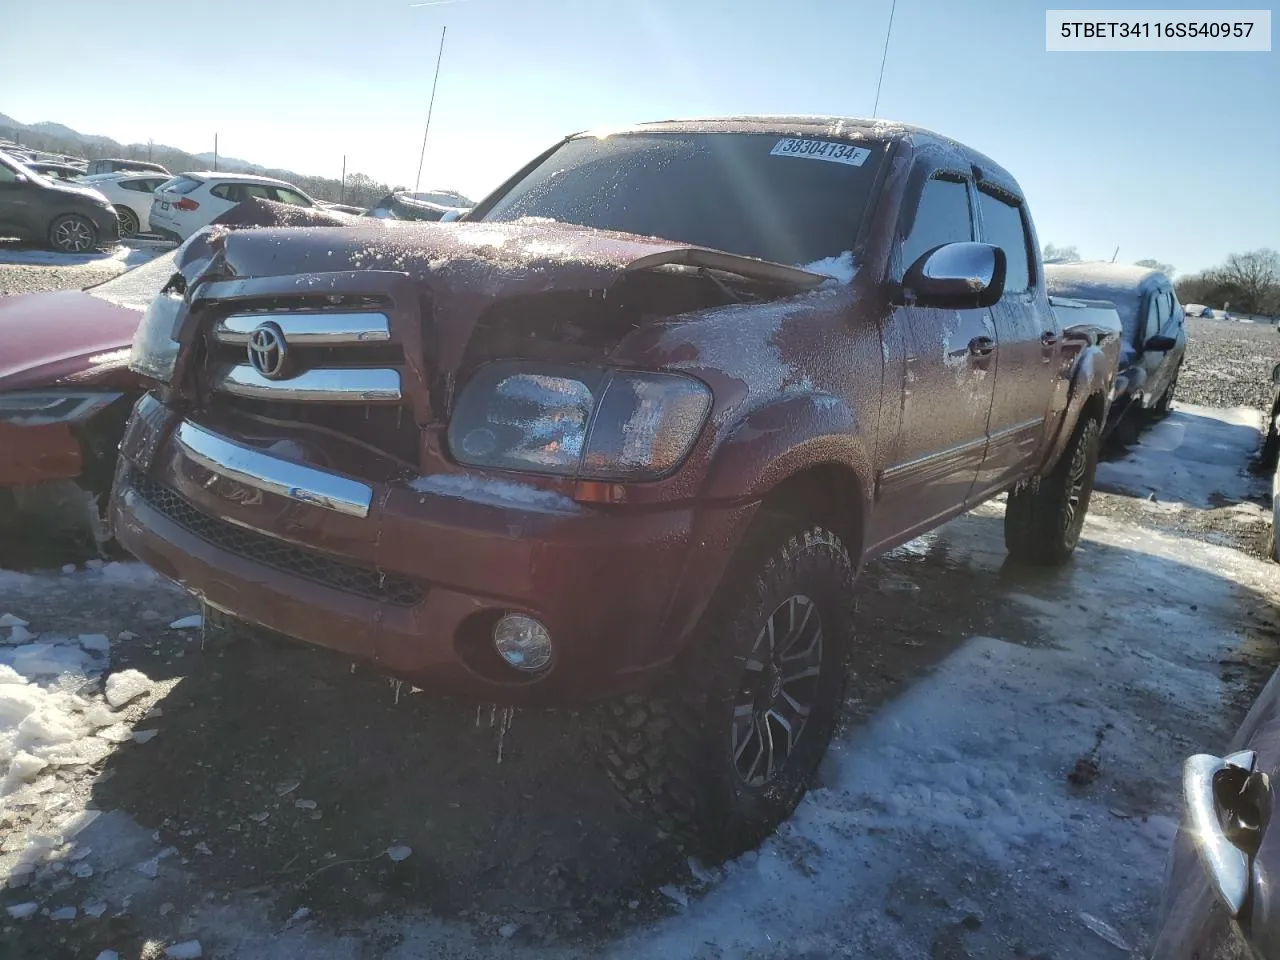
523, 642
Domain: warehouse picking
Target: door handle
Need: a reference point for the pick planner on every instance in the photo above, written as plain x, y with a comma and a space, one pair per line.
1225, 863
1048, 338
981, 346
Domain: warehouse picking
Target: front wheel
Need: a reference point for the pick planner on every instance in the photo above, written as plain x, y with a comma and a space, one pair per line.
1044, 517
72, 233
727, 747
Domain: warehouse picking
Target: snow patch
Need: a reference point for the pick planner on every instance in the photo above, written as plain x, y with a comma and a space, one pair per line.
121, 258
126, 686
192, 622
494, 493
839, 268
1196, 456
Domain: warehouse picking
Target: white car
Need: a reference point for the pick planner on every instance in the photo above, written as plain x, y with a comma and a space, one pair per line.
189, 201
131, 194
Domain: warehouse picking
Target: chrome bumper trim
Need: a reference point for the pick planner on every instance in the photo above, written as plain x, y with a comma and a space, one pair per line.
308, 329
345, 385
259, 470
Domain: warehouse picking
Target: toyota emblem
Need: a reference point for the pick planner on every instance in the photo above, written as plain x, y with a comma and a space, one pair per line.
267, 351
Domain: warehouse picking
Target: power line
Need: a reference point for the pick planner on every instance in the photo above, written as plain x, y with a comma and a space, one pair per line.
883, 57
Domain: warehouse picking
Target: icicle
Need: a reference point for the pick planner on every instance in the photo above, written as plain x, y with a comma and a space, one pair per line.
493, 714
478, 708
504, 724
396, 685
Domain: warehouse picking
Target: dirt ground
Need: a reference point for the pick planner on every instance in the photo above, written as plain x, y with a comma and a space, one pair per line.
1005, 782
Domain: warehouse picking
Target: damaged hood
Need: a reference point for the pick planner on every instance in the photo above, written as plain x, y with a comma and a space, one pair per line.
524, 283
497, 259
64, 337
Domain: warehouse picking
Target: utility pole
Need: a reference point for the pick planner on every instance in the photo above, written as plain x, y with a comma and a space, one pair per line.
151, 143
342, 191
215, 153
430, 107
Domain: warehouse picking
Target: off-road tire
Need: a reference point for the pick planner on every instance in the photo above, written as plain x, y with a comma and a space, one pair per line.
670, 753
1044, 517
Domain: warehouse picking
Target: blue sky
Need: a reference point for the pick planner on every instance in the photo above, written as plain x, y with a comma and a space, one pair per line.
1166, 155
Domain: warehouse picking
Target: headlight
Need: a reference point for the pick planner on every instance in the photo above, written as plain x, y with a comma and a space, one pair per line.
37, 408
573, 421
155, 351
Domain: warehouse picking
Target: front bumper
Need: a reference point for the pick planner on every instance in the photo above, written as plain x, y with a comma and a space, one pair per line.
413, 581
108, 225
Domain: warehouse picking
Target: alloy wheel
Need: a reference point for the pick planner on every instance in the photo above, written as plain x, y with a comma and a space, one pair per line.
777, 691
73, 236
128, 223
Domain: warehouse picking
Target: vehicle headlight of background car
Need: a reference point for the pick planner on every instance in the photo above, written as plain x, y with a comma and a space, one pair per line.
155, 351
35, 408
577, 421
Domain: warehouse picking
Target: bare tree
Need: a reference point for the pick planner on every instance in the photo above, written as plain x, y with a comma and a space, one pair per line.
1256, 277
1054, 252
1250, 282
1165, 268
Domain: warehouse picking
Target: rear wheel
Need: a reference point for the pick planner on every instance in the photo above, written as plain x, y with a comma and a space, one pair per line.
1162, 406
1044, 518
725, 749
128, 222
72, 233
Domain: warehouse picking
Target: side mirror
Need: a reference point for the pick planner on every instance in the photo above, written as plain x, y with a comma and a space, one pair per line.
1160, 344
957, 275
1275, 374
20, 178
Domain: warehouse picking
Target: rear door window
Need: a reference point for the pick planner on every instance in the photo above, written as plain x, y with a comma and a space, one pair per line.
227, 191
182, 185
1003, 225
290, 197
943, 216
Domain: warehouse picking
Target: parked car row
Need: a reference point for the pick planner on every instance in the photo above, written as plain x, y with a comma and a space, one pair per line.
69, 217
147, 199
659, 389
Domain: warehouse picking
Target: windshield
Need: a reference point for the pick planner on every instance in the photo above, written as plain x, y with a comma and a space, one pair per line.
1128, 300
753, 194
136, 288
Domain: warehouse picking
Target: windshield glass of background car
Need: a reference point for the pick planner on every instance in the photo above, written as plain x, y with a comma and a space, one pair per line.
136, 288
720, 190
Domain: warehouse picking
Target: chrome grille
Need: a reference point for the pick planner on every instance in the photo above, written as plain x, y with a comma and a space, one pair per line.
344, 371
286, 557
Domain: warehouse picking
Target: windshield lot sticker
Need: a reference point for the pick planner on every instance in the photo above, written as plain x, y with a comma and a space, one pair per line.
821, 150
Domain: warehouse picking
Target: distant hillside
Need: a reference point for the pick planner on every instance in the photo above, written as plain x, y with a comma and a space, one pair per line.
361, 190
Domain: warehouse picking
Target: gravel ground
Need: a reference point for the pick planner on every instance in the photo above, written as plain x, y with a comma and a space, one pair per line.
18, 278
1228, 363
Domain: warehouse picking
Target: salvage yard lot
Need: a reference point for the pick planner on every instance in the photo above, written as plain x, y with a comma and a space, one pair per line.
1005, 783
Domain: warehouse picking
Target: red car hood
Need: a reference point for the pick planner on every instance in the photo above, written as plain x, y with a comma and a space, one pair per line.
65, 337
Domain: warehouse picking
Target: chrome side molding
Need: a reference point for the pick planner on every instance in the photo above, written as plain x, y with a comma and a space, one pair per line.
261, 471
308, 329
345, 385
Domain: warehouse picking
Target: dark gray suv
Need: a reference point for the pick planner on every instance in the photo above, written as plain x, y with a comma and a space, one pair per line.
69, 217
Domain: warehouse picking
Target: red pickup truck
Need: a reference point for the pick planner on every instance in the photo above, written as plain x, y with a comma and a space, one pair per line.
627, 431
